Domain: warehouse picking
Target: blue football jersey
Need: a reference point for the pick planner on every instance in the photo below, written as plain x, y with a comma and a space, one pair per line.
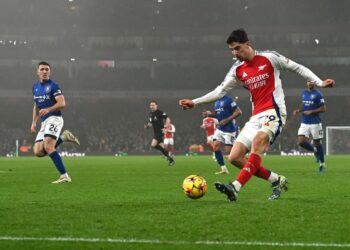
224, 108
312, 100
44, 96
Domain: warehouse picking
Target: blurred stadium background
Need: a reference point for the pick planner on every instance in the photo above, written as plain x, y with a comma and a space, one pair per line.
112, 57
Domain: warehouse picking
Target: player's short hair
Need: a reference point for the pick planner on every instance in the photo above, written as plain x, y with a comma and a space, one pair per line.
153, 102
238, 36
44, 63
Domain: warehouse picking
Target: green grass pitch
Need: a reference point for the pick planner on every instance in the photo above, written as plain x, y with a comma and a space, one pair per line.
140, 198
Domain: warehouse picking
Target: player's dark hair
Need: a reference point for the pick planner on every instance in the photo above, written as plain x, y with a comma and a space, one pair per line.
153, 102
237, 36
44, 63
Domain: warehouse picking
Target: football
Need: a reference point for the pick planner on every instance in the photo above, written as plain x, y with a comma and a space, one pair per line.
194, 186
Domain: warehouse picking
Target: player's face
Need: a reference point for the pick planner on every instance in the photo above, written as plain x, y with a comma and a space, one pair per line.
153, 106
44, 72
242, 51
310, 85
204, 114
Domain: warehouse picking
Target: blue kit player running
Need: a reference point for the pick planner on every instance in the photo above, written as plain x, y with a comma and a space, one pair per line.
313, 105
48, 102
226, 110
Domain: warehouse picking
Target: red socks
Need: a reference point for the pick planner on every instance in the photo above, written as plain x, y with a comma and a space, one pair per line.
250, 168
263, 173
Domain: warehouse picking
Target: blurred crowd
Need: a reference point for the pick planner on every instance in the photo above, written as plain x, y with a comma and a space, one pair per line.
116, 125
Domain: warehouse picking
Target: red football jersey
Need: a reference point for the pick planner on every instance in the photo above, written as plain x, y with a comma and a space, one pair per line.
209, 125
170, 131
261, 77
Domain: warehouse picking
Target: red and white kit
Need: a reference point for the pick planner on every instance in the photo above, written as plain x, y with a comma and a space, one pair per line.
261, 77
209, 125
169, 135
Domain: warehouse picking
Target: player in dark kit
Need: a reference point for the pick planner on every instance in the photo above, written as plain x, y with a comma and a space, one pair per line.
48, 103
156, 120
312, 106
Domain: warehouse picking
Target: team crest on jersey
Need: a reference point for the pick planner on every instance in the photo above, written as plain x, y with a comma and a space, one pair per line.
262, 67
47, 89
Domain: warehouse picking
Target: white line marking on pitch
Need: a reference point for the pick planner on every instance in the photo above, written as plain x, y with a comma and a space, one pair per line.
169, 242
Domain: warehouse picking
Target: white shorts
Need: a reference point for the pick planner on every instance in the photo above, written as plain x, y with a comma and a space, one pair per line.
210, 138
225, 137
315, 130
268, 121
168, 141
51, 127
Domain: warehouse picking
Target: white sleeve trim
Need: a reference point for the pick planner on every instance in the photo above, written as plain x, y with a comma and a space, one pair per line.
221, 90
283, 63
172, 130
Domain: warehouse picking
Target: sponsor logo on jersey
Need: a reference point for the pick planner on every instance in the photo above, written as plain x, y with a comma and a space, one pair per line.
257, 81
42, 98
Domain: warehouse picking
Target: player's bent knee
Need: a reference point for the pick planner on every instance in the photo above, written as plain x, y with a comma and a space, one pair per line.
301, 141
216, 146
260, 143
236, 160
39, 153
49, 148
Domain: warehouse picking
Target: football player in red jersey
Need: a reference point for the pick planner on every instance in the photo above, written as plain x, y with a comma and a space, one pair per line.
209, 125
169, 131
259, 73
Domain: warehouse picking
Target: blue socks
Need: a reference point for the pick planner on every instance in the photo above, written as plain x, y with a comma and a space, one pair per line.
58, 142
319, 150
220, 158
307, 145
320, 153
57, 160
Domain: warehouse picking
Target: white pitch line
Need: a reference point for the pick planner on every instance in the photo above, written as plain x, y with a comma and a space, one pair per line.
169, 242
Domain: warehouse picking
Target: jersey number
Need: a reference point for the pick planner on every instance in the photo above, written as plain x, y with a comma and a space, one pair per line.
53, 128
271, 118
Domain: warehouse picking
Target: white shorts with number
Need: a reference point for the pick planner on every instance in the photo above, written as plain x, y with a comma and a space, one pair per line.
225, 137
315, 130
51, 127
169, 141
269, 121
210, 138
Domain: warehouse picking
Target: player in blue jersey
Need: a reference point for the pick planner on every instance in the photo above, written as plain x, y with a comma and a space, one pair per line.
312, 105
48, 102
226, 110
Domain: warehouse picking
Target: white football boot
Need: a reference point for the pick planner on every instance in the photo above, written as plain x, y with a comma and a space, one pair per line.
62, 179
68, 136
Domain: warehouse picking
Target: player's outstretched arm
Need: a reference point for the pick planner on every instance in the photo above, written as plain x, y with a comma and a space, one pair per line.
328, 83
186, 104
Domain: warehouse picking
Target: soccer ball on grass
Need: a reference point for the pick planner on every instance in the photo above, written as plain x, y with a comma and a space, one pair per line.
194, 186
